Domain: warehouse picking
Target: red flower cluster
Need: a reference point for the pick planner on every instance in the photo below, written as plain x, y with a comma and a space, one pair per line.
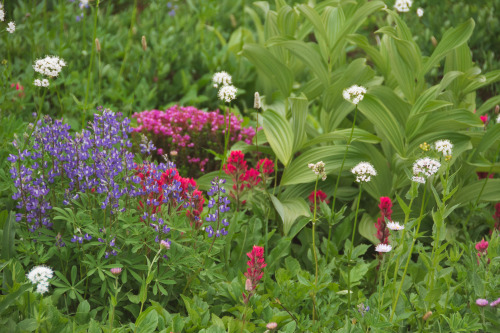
181, 189
385, 212
320, 197
482, 175
254, 271
482, 249
243, 177
18, 87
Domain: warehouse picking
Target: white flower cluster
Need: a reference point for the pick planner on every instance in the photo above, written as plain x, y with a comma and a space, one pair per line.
445, 147
41, 83
318, 169
424, 168
420, 12
11, 27
221, 78
2, 13
383, 248
50, 66
498, 119
395, 226
403, 5
40, 276
364, 171
227, 93
354, 94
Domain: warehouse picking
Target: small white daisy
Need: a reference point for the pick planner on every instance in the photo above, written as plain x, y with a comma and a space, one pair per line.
364, 171
395, 226
383, 248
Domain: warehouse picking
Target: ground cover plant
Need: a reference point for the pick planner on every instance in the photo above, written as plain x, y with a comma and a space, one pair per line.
248, 166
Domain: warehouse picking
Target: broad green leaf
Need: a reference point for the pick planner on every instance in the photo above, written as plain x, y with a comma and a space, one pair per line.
344, 134
268, 65
147, 321
290, 210
279, 135
452, 38
332, 156
386, 124
367, 228
489, 139
82, 312
470, 193
488, 105
299, 119
13, 296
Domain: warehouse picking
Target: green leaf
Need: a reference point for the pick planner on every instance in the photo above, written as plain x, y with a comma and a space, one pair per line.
8, 237
332, 156
299, 120
268, 65
82, 313
367, 229
13, 296
147, 321
382, 118
28, 325
452, 38
344, 134
279, 135
290, 210
470, 193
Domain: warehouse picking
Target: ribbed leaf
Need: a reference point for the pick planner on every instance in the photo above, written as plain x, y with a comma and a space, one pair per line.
290, 210
385, 122
489, 139
452, 38
367, 228
269, 66
307, 54
299, 119
298, 172
279, 135
470, 193
358, 135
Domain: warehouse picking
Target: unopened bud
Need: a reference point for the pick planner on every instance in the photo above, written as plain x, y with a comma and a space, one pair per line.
248, 285
256, 101
233, 20
144, 43
497, 109
434, 41
97, 45
173, 153
427, 315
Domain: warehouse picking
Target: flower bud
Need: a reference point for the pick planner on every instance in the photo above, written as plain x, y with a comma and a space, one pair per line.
497, 109
248, 285
434, 41
116, 270
144, 43
173, 153
233, 20
97, 45
427, 315
256, 101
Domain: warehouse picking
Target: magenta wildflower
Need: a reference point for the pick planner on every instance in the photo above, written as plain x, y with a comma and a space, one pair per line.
482, 302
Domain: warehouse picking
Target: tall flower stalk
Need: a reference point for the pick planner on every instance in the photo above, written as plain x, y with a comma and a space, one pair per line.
353, 94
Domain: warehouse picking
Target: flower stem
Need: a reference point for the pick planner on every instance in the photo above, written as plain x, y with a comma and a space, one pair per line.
349, 256
314, 248
338, 181
409, 256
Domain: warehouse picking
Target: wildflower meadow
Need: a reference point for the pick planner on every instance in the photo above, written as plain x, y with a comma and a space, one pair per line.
249, 166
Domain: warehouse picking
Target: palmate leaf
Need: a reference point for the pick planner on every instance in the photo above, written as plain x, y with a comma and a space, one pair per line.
279, 135
332, 156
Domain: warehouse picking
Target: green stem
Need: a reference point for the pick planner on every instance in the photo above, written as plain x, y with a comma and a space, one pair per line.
314, 248
352, 248
409, 255
89, 77
337, 182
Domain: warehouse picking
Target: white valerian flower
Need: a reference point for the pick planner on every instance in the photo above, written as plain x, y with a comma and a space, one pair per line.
395, 226
383, 248
318, 169
49, 66
364, 171
11, 27
418, 179
227, 93
40, 276
444, 146
354, 94
420, 12
498, 119
2, 13
41, 83
403, 5
221, 78
425, 167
